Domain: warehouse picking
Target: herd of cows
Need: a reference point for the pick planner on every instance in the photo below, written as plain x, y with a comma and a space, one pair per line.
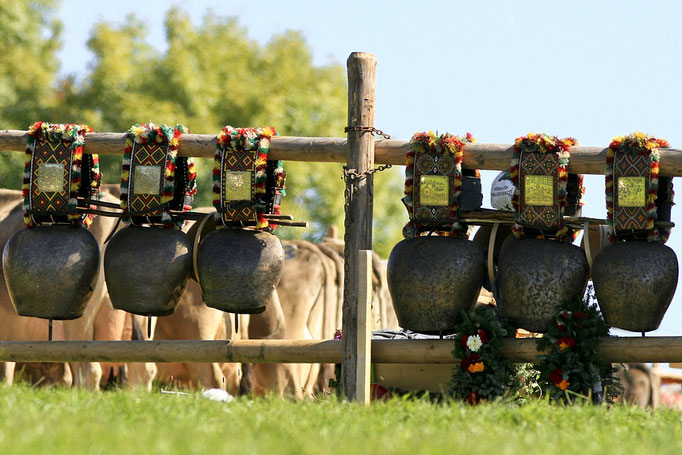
306, 305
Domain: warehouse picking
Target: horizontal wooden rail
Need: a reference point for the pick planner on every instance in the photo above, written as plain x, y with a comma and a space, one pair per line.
639, 349
584, 160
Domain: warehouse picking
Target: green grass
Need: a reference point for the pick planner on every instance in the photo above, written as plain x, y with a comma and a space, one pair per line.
61, 421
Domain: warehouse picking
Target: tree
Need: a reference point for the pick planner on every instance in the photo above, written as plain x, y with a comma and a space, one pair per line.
29, 40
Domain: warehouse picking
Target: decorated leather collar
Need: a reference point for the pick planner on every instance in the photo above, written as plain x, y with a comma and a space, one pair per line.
154, 179
539, 172
433, 184
246, 185
58, 177
634, 191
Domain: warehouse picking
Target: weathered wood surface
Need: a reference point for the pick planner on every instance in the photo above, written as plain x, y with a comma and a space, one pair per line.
584, 160
361, 97
364, 340
636, 349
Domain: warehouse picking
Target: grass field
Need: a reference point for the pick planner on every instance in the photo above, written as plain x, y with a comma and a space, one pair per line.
61, 421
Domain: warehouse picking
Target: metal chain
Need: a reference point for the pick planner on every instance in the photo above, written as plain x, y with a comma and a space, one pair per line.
351, 177
365, 129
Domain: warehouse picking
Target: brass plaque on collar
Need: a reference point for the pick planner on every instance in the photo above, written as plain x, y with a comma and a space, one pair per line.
539, 190
50, 178
238, 186
434, 190
631, 191
147, 180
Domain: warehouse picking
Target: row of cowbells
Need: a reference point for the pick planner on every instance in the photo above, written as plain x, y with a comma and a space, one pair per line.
434, 279
51, 271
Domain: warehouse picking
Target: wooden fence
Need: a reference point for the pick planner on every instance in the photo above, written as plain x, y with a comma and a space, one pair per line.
360, 151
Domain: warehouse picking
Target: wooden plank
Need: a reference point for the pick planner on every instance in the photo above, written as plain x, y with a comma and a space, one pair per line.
625, 349
414, 376
364, 340
361, 96
584, 160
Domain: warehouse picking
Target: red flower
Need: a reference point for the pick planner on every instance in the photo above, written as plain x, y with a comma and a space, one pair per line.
474, 398
483, 335
580, 315
565, 343
565, 314
556, 376
468, 361
377, 392
463, 341
561, 327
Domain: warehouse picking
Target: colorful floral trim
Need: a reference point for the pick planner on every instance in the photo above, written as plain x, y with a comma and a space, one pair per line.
483, 374
74, 135
149, 133
642, 144
441, 144
245, 139
543, 143
573, 363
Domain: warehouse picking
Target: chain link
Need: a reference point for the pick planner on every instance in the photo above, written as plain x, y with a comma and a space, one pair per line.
366, 129
351, 177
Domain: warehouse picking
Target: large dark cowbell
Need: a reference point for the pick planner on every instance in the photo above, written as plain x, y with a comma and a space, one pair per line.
238, 269
147, 269
433, 279
634, 283
537, 276
51, 271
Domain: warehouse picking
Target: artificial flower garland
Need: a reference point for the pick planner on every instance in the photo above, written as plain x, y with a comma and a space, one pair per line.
74, 135
544, 143
637, 144
158, 134
441, 144
482, 373
230, 139
573, 363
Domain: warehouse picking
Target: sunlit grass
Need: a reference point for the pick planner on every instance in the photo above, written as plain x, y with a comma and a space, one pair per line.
61, 421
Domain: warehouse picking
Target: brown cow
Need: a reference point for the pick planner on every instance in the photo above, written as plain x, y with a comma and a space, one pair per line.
192, 320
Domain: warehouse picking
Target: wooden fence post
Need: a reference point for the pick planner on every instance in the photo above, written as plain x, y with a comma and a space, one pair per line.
359, 197
364, 340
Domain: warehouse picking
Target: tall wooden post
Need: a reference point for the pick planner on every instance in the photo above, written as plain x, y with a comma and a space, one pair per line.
360, 196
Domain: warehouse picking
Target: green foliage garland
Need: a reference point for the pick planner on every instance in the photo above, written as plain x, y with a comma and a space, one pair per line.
573, 363
482, 373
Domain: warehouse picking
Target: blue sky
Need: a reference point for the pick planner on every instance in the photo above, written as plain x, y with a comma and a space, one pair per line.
496, 68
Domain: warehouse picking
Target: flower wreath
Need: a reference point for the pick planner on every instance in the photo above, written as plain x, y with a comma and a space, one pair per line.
74, 135
642, 144
442, 144
482, 373
545, 143
151, 133
246, 139
573, 362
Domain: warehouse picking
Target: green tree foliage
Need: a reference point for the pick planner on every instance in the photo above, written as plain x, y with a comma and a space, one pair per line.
28, 64
213, 75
